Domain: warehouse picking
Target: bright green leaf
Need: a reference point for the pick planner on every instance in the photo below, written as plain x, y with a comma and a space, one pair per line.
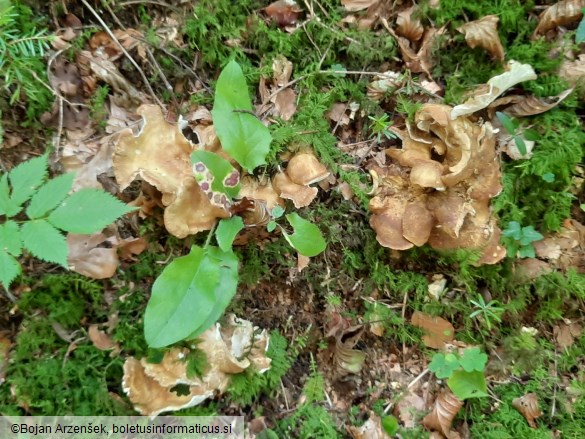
27, 177
182, 298
506, 121
521, 145
444, 365
88, 211
225, 291
10, 238
549, 177
50, 195
526, 251
242, 135
277, 212
580, 35
226, 179
307, 238
473, 359
513, 230
467, 385
9, 268
8, 206
227, 230
531, 135
271, 226
44, 242
390, 425
529, 235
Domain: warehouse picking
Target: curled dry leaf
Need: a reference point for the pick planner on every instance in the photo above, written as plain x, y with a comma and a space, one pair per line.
559, 14
160, 155
527, 405
229, 350
358, 5
447, 405
497, 85
438, 331
484, 33
407, 26
421, 60
85, 257
531, 105
372, 429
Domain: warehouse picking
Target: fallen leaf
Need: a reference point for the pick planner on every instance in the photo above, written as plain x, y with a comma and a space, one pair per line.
438, 331
371, 429
302, 262
484, 33
531, 105
573, 71
285, 103
559, 14
497, 85
101, 340
527, 405
446, 407
407, 26
357, 5
406, 408
85, 257
566, 333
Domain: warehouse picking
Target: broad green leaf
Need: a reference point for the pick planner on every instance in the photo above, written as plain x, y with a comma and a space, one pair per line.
529, 235
467, 385
390, 425
8, 206
521, 145
473, 359
580, 35
526, 251
307, 238
44, 242
506, 121
50, 195
88, 211
225, 291
10, 238
513, 231
182, 298
227, 230
444, 365
242, 135
9, 268
271, 226
27, 177
225, 178
277, 212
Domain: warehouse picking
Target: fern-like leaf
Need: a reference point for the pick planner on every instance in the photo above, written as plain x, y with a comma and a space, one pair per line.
10, 238
9, 268
44, 242
26, 178
50, 195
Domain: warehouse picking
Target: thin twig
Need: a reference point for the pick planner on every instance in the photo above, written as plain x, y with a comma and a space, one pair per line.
287, 85
123, 49
152, 2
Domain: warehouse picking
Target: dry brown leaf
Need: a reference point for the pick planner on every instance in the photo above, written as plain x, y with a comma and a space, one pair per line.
566, 333
529, 268
573, 71
559, 14
302, 262
527, 405
357, 5
407, 26
130, 247
85, 257
497, 85
5, 345
484, 33
406, 408
378, 88
372, 429
285, 104
438, 331
101, 340
531, 105
420, 61
447, 405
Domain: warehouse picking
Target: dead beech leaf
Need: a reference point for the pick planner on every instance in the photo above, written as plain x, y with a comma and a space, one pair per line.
421, 60
484, 33
357, 5
285, 103
407, 26
559, 14
406, 408
101, 340
438, 331
85, 257
302, 262
566, 333
531, 105
372, 429
527, 405
497, 85
447, 405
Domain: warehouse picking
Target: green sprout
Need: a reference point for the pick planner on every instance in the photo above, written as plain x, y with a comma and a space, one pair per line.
519, 240
490, 312
381, 127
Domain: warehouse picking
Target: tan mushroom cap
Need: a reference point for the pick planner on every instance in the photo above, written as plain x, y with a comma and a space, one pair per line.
427, 174
387, 223
300, 195
417, 223
305, 169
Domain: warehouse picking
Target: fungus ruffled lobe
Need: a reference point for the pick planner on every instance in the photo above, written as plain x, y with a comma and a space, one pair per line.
441, 201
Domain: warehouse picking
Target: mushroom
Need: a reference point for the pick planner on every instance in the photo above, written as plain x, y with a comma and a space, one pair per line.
305, 169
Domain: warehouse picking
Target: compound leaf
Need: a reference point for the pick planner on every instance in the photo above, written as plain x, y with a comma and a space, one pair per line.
9, 268
467, 385
88, 211
50, 195
444, 365
8, 206
227, 230
242, 135
513, 231
529, 235
44, 242
10, 238
307, 238
27, 177
473, 359
182, 298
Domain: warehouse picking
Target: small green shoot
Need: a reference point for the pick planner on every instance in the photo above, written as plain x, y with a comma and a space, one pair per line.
490, 312
519, 240
381, 127
512, 127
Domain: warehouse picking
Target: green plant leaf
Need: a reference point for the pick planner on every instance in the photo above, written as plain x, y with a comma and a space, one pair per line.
529, 235
88, 211
9, 268
242, 135
27, 177
50, 195
10, 238
224, 177
8, 206
513, 231
182, 298
580, 34
271, 226
390, 425
225, 291
44, 242
521, 145
444, 365
506, 121
227, 230
526, 251
549, 177
467, 385
277, 212
473, 359
307, 238
531, 135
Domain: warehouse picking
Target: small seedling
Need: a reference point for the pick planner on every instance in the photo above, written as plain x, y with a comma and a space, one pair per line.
512, 126
519, 240
381, 127
464, 373
490, 312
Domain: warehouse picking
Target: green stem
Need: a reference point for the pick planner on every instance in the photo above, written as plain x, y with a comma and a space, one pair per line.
209, 235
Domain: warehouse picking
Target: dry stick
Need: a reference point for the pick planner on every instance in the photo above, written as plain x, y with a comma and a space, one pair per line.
152, 2
134, 63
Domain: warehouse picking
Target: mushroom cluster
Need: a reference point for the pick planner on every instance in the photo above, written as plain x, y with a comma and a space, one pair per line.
438, 191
